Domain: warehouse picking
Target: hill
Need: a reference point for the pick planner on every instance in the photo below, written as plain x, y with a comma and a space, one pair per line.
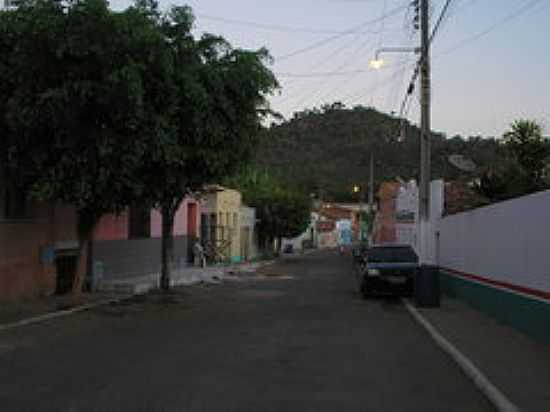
326, 151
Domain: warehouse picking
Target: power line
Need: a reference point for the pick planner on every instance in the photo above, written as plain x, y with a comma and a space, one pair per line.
353, 30
319, 93
412, 83
277, 27
321, 74
440, 19
316, 65
515, 14
376, 86
323, 96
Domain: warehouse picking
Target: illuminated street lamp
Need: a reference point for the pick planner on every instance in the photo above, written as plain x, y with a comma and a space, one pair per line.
378, 62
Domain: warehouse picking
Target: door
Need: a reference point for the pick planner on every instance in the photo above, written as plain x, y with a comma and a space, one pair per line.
66, 267
192, 220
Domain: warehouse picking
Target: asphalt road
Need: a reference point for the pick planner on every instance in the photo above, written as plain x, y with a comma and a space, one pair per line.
306, 343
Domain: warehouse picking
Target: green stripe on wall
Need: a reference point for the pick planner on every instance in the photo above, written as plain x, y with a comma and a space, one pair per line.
528, 315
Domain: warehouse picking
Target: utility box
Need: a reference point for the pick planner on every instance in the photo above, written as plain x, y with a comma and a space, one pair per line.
427, 292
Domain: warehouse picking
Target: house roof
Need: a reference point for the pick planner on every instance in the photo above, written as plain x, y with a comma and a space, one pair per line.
334, 211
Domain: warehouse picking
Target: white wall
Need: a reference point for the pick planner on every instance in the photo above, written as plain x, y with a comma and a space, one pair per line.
306, 235
507, 241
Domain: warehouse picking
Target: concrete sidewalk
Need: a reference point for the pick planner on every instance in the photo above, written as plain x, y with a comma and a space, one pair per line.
110, 290
183, 277
50, 306
514, 362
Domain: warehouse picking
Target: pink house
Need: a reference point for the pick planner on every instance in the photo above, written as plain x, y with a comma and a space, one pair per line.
129, 244
186, 221
119, 227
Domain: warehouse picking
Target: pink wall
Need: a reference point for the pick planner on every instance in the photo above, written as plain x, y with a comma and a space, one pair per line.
180, 220
22, 270
112, 227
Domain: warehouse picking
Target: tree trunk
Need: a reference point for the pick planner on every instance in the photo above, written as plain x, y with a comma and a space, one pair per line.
86, 224
167, 246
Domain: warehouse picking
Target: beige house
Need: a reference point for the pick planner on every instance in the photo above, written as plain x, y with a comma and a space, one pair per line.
220, 223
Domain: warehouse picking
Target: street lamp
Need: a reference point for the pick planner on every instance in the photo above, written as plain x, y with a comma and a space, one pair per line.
425, 120
378, 62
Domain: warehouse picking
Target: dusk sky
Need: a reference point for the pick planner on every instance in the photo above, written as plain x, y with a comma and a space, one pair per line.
490, 59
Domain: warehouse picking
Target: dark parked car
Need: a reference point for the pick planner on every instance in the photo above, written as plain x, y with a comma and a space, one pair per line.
386, 270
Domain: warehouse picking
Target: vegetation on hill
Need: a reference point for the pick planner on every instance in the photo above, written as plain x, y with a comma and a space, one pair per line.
326, 151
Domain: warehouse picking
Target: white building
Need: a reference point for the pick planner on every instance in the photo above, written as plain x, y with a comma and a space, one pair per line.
309, 238
249, 235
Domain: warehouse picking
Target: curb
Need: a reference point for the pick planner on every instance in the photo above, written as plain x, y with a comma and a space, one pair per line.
491, 392
61, 313
81, 308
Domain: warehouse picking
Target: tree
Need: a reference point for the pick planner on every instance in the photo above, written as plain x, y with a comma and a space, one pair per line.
72, 99
203, 125
526, 144
282, 211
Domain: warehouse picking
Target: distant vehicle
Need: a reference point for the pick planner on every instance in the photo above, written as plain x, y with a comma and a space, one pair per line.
288, 249
386, 270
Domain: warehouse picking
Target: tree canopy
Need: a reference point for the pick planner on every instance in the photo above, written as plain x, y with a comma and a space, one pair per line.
283, 210
102, 109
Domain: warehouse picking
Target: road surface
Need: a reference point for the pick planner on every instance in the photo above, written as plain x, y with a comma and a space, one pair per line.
301, 339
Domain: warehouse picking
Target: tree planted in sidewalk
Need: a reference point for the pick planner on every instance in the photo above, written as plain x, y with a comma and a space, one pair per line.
206, 117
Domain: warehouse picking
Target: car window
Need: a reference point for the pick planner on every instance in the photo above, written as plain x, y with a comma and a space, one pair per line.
392, 254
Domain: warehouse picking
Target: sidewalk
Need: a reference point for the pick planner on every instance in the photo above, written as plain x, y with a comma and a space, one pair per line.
183, 277
514, 362
31, 311
18, 311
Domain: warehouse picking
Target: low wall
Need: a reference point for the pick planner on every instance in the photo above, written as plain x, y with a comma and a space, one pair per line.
497, 259
137, 257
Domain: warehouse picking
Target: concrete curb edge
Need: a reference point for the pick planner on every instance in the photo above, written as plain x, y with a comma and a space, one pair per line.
491, 392
81, 308
61, 313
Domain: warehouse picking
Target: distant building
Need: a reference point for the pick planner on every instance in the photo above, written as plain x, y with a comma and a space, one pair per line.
384, 230
248, 235
306, 240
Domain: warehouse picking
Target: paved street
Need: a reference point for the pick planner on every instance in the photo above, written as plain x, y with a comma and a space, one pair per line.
301, 342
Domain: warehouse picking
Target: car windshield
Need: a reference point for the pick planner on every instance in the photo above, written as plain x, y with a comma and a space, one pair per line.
392, 254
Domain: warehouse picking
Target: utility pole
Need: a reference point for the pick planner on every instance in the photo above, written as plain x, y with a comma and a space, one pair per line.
425, 146
371, 183
371, 197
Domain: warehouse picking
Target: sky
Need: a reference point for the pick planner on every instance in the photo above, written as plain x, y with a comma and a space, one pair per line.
490, 60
